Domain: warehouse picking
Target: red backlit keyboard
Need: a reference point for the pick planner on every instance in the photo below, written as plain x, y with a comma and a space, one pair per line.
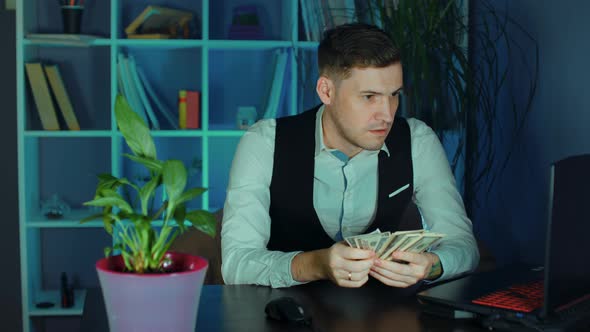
523, 297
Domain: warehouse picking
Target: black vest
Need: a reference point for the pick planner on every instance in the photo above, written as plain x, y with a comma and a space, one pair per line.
294, 222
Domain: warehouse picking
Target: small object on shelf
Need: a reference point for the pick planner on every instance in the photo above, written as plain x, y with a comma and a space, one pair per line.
44, 305
156, 22
246, 116
71, 13
55, 208
182, 109
193, 110
67, 293
245, 24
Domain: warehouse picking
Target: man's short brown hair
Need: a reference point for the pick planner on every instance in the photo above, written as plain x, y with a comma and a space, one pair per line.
355, 45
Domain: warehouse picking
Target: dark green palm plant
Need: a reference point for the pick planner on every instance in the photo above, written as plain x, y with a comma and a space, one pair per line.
456, 63
134, 229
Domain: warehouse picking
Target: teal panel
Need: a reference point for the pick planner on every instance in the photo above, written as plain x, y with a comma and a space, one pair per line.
222, 150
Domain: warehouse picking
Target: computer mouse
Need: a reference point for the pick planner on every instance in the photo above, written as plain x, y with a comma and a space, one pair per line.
286, 309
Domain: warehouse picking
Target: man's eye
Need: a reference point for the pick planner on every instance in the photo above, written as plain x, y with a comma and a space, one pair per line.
368, 97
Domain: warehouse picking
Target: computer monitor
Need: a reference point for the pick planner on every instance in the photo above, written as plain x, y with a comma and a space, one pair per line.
567, 255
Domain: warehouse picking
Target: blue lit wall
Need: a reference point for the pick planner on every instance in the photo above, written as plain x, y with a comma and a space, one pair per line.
512, 222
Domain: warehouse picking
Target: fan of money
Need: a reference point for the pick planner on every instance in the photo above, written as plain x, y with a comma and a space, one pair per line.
385, 243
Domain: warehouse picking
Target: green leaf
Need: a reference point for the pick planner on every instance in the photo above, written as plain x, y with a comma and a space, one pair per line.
134, 129
108, 223
174, 176
180, 216
147, 191
190, 194
106, 181
153, 165
91, 218
111, 201
108, 251
203, 221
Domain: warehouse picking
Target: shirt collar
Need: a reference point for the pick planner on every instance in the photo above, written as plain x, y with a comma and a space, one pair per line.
319, 135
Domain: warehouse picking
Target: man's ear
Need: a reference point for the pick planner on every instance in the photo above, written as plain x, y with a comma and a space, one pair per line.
325, 89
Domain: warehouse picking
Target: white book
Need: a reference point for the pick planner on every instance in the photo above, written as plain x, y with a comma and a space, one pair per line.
128, 87
141, 92
159, 104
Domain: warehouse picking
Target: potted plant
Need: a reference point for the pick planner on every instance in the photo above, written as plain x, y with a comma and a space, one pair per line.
458, 58
146, 287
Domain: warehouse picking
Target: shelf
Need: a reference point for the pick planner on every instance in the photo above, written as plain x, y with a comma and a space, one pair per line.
68, 133
64, 224
229, 73
213, 44
247, 44
165, 43
177, 133
226, 133
307, 44
72, 220
64, 43
54, 297
218, 131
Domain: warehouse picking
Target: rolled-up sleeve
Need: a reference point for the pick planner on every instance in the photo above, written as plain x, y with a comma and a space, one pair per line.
440, 203
245, 228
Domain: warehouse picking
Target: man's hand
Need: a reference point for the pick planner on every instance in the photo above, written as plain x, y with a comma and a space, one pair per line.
407, 269
345, 266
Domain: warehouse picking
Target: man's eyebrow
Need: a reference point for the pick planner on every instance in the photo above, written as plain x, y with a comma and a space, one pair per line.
379, 93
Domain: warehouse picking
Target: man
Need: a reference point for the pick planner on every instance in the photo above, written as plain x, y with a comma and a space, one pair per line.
299, 185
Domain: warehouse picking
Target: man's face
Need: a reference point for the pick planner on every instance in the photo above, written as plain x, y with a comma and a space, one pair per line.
360, 111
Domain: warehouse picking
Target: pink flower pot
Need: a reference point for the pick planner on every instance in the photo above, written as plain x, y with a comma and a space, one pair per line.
152, 302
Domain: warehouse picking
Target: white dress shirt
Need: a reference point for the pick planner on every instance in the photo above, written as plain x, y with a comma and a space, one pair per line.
345, 200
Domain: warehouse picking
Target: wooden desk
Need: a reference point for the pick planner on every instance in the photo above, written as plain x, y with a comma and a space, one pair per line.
374, 307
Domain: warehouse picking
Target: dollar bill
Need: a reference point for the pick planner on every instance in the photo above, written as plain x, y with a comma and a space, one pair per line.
426, 241
354, 241
385, 243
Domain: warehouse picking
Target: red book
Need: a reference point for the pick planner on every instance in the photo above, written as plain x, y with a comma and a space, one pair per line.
193, 110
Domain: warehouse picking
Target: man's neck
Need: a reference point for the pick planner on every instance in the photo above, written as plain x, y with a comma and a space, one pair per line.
333, 139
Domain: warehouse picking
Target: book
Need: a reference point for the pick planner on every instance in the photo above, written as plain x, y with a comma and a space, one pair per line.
158, 19
61, 96
141, 92
182, 109
42, 96
129, 89
156, 100
193, 109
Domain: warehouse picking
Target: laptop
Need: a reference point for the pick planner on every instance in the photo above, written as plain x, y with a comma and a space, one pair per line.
553, 297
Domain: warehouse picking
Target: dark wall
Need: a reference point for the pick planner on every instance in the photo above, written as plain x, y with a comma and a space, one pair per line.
10, 305
512, 221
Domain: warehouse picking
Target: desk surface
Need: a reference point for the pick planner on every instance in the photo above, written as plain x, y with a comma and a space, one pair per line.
373, 307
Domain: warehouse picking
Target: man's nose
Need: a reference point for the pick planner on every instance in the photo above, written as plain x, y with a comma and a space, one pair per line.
387, 110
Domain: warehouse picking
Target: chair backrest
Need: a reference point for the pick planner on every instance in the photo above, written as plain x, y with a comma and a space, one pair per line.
197, 243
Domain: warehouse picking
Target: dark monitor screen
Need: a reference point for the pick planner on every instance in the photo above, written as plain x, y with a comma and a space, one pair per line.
567, 259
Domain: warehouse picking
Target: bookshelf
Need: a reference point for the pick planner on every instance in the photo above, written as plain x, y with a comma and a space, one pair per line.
228, 73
